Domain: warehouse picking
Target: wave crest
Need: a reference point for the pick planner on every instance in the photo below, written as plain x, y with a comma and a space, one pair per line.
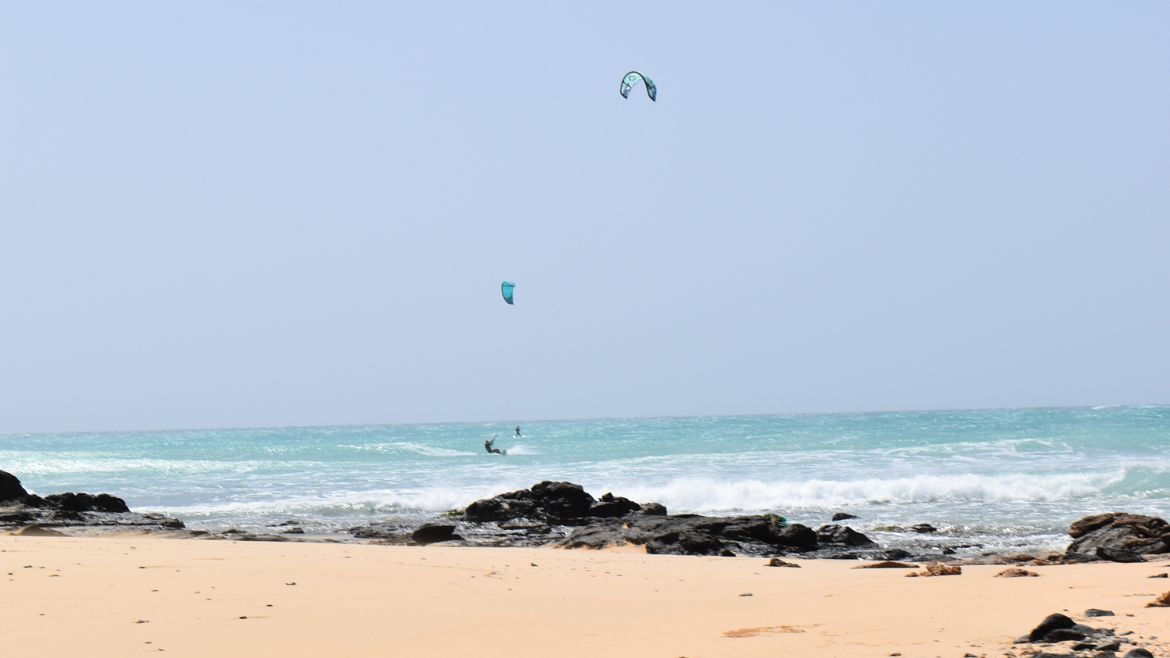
707, 496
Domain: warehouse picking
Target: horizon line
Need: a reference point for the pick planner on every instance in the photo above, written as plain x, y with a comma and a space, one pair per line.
5, 435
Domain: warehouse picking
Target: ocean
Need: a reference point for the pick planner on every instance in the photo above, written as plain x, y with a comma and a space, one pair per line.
989, 480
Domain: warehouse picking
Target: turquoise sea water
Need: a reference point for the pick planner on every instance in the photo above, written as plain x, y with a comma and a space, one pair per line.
1000, 478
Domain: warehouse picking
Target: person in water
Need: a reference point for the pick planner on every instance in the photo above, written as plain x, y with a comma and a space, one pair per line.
517, 431
487, 445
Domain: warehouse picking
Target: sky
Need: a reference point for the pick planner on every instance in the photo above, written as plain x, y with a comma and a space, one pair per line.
229, 214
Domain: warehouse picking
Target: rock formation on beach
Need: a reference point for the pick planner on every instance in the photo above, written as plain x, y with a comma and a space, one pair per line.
1118, 537
1062, 637
20, 510
614, 521
564, 514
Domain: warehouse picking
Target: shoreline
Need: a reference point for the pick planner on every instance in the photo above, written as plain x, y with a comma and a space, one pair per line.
563, 514
198, 598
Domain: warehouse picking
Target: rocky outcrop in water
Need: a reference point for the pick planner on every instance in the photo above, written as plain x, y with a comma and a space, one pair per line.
432, 533
560, 503
20, 509
1118, 537
839, 535
10, 488
564, 514
691, 534
614, 520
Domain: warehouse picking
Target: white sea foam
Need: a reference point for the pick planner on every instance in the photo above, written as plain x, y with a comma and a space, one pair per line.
342, 504
707, 495
702, 495
979, 449
409, 447
28, 466
434, 451
522, 449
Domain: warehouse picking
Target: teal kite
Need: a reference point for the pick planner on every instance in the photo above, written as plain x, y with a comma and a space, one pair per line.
632, 79
506, 290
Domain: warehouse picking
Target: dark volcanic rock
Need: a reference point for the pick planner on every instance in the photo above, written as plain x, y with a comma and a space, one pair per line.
923, 528
842, 516
33, 500
838, 535
613, 506
1063, 635
797, 536
83, 502
654, 509
381, 531
10, 488
1138, 653
564, 514
598, 535
685, 543
20, 508
493, 509
1050, 623
1121, 536
691, 534
562, 503
434, 532
761, 529
1096, 612
1118, 555
555, 503
14, 516
614, 521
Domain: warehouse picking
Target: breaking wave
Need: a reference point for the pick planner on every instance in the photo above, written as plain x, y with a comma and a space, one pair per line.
752, 495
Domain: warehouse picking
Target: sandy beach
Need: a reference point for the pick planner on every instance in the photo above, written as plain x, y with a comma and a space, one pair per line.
133, 595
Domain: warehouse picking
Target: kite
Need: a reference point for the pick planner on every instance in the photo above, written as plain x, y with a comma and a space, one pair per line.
632, 79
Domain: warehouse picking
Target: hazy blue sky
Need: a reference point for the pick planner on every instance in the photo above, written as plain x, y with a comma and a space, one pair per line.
281, 213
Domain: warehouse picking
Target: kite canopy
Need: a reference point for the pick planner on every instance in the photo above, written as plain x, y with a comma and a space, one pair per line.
506, 290
632, 79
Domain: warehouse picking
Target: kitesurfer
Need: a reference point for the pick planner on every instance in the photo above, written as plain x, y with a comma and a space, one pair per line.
517, 431
487, 445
